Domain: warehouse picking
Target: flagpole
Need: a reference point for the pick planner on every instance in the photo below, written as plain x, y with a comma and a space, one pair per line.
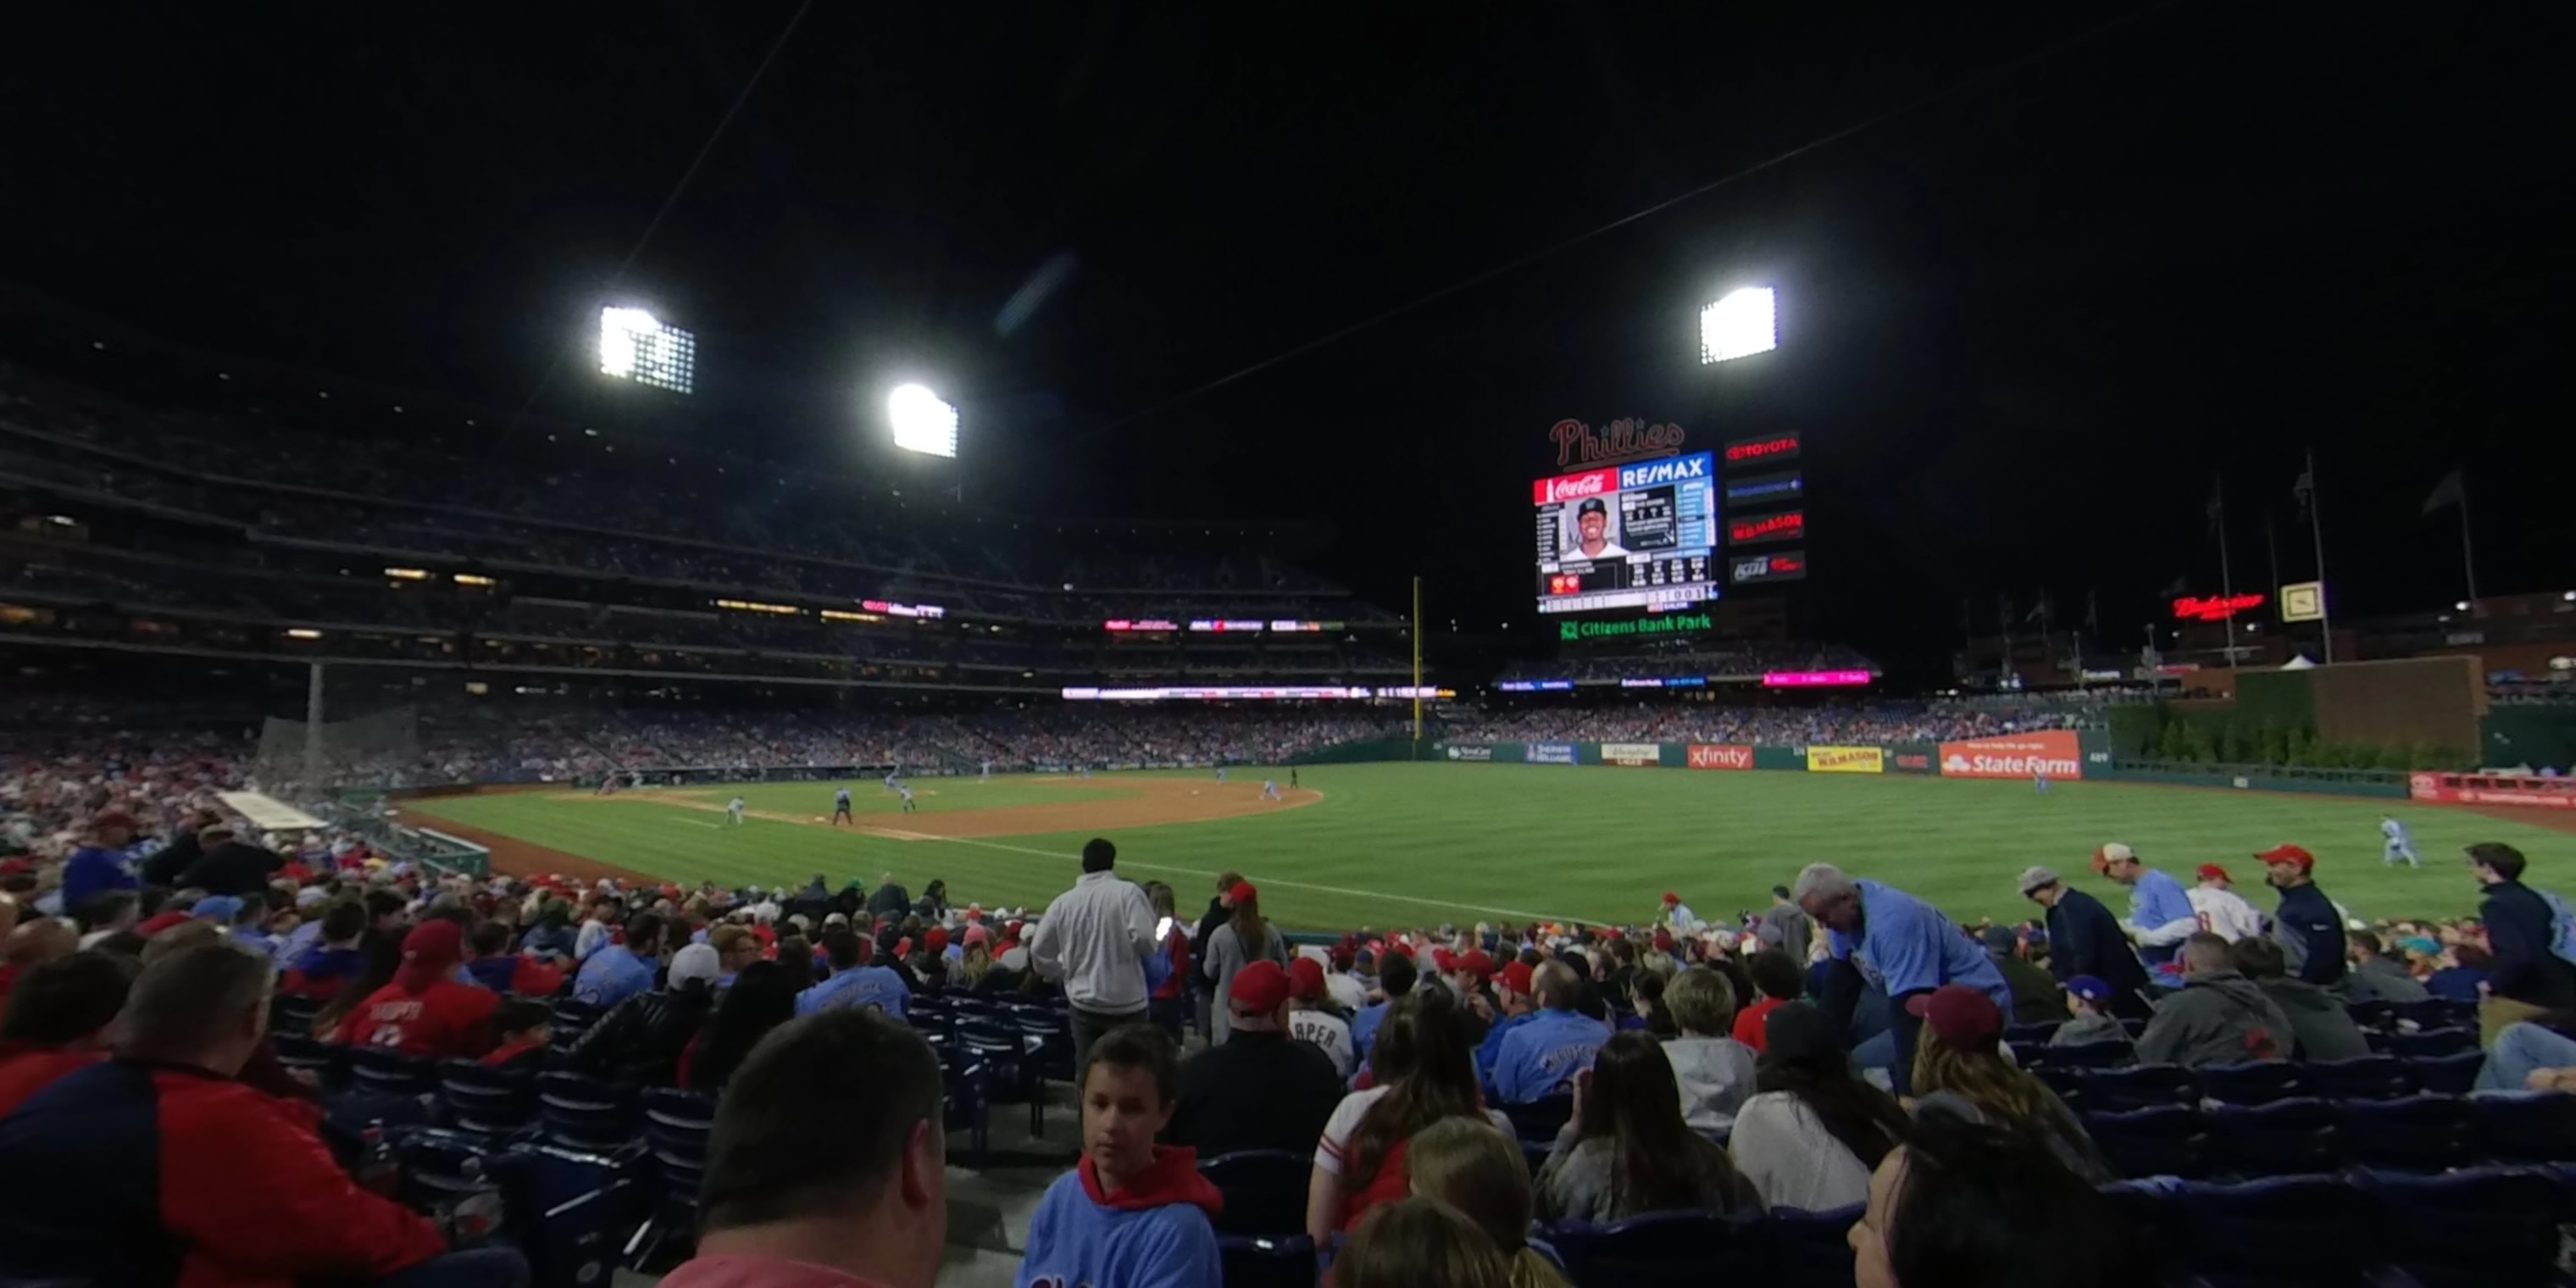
2468, 554
2317, 534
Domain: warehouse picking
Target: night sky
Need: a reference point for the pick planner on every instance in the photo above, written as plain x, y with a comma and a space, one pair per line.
2024, 324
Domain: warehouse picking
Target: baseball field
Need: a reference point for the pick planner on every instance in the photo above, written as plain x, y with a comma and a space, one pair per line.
1408, 844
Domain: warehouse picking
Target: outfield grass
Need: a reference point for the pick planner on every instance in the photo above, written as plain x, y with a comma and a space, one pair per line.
1397, 844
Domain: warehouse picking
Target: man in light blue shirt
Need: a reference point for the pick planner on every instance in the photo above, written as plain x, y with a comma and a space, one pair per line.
2160, 911
852, 985
1541, 1055
1901, 945
620, 971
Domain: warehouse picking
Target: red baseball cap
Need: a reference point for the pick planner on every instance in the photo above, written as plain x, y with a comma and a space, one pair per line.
1670, 898
1474, 962
1516, 977
1305, 979
1242, 892
1663, 940
2289, 854
1258, 989
935, 940
162, 922
1958, 1015
2213, 872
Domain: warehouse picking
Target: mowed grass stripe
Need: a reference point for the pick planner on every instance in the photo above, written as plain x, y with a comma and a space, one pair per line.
1593, 843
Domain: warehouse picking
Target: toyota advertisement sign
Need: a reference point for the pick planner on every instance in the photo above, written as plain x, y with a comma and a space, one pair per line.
2054, 752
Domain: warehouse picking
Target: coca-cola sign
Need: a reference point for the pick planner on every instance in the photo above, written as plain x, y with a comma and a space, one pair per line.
1573, 487
1625, 439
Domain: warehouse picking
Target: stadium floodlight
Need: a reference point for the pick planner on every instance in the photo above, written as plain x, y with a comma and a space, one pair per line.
634, 345
922, 423
1737, 326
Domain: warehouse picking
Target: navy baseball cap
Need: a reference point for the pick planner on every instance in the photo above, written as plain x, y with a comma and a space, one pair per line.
1592, 505
2090, 988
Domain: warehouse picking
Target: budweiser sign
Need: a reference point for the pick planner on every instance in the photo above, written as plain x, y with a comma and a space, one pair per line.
1624, 439
1574, 487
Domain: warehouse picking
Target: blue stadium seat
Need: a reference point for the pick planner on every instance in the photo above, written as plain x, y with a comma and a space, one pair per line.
2259, 1082
2165, 1140
292, 1013
2284, 1138
966, 1097
2420, 1133
572, 1019
2086, 1055
324, 1060
2142, 1087
1267, 1263
1265, 1191
390, 1073
583, 1113
2363, 1077
1541, 1119
487, 1102
2373, 1014
932, 1012
2302, 1230
676, 1126
2450, 1075
577, 1202
2032, 1034
1811, 1249
1665, 1248
995, 1042
2468, 1229
2435, 1013
2533, 1126
2432, 1042
458, 1181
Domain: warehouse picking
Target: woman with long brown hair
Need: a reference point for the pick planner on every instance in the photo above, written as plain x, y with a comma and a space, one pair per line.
1627, 1151
1420, 1243
1959, 1069
1245, 938
1425, 1073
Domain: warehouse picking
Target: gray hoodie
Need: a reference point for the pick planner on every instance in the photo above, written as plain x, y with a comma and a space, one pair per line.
2219, 1017
2382, 980
2325, 1030
1716, 1077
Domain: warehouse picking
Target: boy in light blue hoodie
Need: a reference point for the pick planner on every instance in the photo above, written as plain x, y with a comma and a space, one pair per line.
1131, 1213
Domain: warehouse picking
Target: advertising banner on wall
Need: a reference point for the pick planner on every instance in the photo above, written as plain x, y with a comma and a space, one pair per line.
1710, 755
1913, 758
1551, 753
2057, 753
1846, 760
1631, 754
2493, 789
1457, 752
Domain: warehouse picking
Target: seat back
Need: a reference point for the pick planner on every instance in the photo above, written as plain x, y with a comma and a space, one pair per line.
2535, 1126
2258, 1082
390, 1073
2089, 1055
1252, 1262
1812, 1249
2287, 1230
2284, 1138
1665, 1248
1541, 1119
2450, 1075
581, 1112
293, 1013
2366, 1077
2421, 1133
486, 1101
1265, 1191
2489, 1225
2163, 1140
2142, 1087
2447, 1041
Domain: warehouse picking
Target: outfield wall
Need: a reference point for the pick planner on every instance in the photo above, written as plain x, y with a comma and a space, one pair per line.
2060, 753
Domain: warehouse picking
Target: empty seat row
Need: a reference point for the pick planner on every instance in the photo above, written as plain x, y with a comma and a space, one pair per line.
2484, 1226
2371, 1077
2417, 1133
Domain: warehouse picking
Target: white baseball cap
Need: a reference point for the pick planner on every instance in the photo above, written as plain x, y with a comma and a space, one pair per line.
695, 962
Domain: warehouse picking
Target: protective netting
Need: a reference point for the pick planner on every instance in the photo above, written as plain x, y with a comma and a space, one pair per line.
369, 750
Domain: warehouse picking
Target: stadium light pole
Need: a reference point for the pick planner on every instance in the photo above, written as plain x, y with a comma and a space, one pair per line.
1739, 324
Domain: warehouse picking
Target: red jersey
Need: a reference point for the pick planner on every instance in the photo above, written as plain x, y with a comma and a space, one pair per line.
445, 1021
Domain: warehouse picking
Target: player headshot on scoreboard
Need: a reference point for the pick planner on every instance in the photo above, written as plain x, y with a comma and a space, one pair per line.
1592, 528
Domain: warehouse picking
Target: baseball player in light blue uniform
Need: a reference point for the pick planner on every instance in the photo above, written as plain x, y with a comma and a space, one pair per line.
2399, 844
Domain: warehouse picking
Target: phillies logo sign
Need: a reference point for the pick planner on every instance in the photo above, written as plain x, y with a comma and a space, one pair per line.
1624, 439
1573, 487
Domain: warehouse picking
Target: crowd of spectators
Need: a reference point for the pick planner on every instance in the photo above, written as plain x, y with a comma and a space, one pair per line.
1732, 660
1831, 723
1785, 1062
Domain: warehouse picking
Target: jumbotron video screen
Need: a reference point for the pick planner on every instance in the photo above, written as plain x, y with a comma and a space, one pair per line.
1642, 535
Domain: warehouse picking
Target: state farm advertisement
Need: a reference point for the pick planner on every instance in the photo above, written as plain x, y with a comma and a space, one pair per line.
1630, 754
1710, 755
2055, 752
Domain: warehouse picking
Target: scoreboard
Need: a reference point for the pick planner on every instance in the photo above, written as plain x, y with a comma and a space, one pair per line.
1642, 535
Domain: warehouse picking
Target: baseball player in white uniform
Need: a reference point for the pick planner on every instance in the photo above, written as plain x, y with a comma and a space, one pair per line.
2399, 844
733, 811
